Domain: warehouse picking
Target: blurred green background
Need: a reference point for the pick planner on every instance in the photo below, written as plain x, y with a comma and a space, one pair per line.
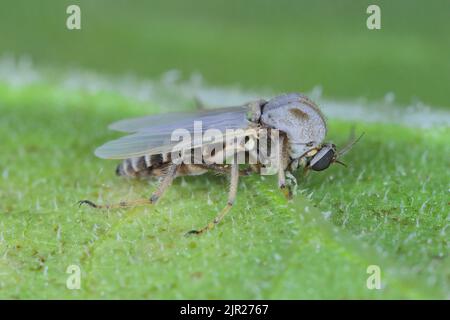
284, 45
389, 208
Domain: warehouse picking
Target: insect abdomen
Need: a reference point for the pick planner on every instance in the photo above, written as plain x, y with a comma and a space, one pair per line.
141, 166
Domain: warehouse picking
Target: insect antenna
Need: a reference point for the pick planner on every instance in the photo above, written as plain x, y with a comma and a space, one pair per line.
352, 141
341, 163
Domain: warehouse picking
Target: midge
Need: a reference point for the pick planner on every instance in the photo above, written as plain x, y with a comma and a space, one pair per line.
149, 151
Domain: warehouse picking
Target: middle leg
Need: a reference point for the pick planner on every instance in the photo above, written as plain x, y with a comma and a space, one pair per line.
231, 198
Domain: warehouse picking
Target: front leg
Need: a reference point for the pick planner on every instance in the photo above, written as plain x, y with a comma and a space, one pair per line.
282, 165
284, 187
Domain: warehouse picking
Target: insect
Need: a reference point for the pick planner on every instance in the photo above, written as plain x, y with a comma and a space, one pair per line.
148, 151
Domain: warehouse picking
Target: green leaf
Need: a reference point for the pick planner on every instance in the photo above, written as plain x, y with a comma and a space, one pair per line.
388, 209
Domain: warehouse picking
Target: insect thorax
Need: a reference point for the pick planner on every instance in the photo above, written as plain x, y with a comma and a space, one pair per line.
299, 118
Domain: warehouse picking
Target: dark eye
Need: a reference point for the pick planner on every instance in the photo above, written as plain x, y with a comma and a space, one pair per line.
322, 159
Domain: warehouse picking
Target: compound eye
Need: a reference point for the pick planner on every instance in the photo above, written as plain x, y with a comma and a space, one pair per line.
322, 159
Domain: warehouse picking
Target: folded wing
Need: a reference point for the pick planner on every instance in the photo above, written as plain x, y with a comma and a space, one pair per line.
152, 134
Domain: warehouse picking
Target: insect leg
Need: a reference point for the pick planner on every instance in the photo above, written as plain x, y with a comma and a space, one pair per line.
284, 158
231, 198
166, 181
283, 186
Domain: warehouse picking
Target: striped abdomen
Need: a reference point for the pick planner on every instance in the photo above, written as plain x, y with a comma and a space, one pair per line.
154, 166
143, 166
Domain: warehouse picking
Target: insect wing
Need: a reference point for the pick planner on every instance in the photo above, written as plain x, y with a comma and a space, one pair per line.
174, 120
153, 135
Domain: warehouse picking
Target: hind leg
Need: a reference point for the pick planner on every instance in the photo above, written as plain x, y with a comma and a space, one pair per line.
165, 183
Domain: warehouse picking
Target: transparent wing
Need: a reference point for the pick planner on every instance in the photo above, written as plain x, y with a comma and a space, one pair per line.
182, 119
152, 135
